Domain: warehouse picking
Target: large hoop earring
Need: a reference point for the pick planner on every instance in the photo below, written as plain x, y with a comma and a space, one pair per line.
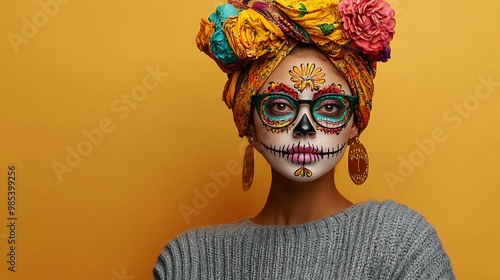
248, 165
357, 161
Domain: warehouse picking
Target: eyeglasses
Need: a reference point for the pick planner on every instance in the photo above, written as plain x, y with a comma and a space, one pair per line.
278, 110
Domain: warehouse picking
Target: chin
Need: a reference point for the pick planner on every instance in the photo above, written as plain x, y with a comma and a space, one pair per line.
306, 173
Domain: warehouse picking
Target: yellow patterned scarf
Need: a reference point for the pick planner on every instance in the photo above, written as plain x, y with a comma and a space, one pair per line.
248, 39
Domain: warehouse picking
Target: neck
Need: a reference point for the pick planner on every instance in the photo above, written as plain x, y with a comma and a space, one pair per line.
292, 203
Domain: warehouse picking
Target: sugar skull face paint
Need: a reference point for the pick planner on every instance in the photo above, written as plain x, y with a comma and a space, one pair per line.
274, 87
307, 76
278, 108
305, 140
333, 88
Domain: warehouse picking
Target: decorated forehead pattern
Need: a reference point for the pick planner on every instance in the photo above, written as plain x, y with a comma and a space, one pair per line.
307, 76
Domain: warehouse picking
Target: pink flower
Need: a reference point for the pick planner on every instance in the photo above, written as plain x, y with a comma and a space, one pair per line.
368, 23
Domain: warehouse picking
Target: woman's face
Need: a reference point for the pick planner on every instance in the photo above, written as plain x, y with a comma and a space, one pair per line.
306, 147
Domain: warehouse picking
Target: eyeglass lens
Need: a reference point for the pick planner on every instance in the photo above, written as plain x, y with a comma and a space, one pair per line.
330, 111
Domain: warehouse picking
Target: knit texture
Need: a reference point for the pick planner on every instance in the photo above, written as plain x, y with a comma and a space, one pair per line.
371, 240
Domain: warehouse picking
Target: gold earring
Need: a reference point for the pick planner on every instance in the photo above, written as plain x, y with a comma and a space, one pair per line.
248, 160
357, 161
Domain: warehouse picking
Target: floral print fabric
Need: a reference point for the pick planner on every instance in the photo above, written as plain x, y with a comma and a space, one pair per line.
248, 39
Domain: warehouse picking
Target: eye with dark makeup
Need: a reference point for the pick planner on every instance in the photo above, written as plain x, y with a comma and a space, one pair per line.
279, 107
331, 108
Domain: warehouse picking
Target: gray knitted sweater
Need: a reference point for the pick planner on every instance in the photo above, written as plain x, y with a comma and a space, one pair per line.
371, 240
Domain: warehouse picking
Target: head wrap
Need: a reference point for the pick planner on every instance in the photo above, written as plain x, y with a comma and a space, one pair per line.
248, 39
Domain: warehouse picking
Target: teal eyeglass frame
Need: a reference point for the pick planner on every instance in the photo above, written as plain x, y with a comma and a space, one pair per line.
352, 101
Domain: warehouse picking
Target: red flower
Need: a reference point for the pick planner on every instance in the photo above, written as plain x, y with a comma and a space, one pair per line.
368, 23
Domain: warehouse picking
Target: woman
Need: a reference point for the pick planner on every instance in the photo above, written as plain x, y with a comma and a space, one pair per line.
300, 86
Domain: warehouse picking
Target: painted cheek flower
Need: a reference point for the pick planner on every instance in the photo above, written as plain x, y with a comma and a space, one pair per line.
369, 23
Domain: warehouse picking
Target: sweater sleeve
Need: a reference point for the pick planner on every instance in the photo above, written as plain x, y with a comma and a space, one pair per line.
164, 265
422, 253
179, 259
428, 260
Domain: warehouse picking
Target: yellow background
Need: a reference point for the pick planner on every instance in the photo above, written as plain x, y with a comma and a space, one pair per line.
109, 216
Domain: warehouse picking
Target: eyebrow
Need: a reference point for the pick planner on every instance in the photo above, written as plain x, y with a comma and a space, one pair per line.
280, 87
333, 88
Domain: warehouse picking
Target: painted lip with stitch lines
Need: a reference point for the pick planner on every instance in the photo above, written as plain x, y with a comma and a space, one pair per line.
304, 153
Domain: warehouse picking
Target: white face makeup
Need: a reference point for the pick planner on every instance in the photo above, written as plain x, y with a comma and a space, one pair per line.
310, 145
